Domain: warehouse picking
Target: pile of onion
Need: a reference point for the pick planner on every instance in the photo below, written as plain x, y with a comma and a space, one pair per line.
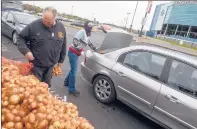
57, 70
28, 104
24, 68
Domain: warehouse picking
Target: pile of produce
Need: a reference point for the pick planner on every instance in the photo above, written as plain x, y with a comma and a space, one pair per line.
24, 68
57, 71
28, 104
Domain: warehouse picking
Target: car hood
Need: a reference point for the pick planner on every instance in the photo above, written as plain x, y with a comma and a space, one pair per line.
116, 40
22, 25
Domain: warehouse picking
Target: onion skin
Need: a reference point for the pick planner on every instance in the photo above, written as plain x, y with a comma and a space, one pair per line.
9, 117
17, 119
19, 125
39, 116
9, 125
31, 118
5, 103
43, 124
22, 113
56, 124
3, 118
14, 111
33, 105
28, 126
14, 99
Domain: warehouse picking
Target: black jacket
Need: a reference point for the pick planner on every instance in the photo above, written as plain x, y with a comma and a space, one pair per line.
48, 45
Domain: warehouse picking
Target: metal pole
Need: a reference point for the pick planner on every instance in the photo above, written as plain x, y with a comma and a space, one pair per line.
34, 7
165, 30
133, 16
72, 11
127, 20
176, 29
188, 31
140, 34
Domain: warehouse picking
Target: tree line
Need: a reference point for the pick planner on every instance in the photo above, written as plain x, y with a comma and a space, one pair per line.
36, 9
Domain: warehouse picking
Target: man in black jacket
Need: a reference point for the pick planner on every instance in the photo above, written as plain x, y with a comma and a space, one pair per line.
47, 47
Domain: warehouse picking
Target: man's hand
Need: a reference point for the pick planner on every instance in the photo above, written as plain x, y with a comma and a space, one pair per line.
29, 56
60, 64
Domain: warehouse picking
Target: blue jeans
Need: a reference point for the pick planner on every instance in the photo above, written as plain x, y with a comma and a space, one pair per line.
71, 77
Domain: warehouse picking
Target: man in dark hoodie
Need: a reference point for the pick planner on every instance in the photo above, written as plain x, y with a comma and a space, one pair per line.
47, 47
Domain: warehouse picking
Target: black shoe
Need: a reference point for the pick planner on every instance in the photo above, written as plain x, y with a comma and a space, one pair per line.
74, 92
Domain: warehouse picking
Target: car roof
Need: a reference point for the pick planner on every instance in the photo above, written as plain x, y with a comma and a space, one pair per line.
16, 12
192, 59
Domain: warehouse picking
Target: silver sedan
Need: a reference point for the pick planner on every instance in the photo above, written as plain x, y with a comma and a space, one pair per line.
157, 82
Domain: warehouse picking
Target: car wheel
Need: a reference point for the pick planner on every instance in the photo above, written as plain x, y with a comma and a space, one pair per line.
15, 37
104, 89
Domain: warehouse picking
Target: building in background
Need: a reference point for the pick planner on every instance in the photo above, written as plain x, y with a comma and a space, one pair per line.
176, 20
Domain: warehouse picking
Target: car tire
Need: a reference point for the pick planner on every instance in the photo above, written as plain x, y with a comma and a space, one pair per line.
15, 37
109, 88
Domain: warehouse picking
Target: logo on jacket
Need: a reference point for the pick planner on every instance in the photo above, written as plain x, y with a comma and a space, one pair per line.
60, 35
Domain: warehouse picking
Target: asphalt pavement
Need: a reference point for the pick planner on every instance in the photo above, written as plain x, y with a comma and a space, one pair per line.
114, 116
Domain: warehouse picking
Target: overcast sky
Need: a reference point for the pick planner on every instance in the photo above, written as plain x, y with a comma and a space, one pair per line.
104, 11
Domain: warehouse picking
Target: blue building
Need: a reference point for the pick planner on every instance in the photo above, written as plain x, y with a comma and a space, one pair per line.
176, 19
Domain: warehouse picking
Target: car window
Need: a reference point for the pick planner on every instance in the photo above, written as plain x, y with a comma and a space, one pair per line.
10, 17
147, 63
25, 19
5, 14
183, 77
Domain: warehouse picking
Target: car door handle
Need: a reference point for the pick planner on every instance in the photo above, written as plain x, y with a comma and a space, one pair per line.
173, 99
121, 74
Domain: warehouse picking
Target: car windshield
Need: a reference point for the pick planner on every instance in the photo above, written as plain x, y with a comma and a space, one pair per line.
25, 19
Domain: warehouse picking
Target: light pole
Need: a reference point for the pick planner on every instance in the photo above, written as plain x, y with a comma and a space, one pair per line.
72, 11
93, 17
34, 8
144, 19
133, 16
127, 20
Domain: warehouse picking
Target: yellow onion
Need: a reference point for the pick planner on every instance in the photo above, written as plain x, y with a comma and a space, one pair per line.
14, 99
9, 117
19, 125
9, 125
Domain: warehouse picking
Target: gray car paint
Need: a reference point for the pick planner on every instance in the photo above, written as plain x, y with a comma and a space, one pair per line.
132, 89
9, 28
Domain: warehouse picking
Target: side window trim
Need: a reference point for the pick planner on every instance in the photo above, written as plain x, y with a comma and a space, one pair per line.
6, 15
11, 15
141, 50
171, 59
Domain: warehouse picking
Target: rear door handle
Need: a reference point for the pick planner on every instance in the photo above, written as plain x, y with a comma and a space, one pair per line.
121, 74
172, 99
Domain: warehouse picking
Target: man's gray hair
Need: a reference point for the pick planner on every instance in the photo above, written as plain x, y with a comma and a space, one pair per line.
53, 10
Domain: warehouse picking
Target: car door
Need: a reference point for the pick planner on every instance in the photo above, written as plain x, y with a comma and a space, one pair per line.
10, 24
176, 105
138, 78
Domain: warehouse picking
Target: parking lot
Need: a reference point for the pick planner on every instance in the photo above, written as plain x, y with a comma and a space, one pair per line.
114, 116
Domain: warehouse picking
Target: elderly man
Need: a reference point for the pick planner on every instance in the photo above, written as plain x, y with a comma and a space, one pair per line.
47, 46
